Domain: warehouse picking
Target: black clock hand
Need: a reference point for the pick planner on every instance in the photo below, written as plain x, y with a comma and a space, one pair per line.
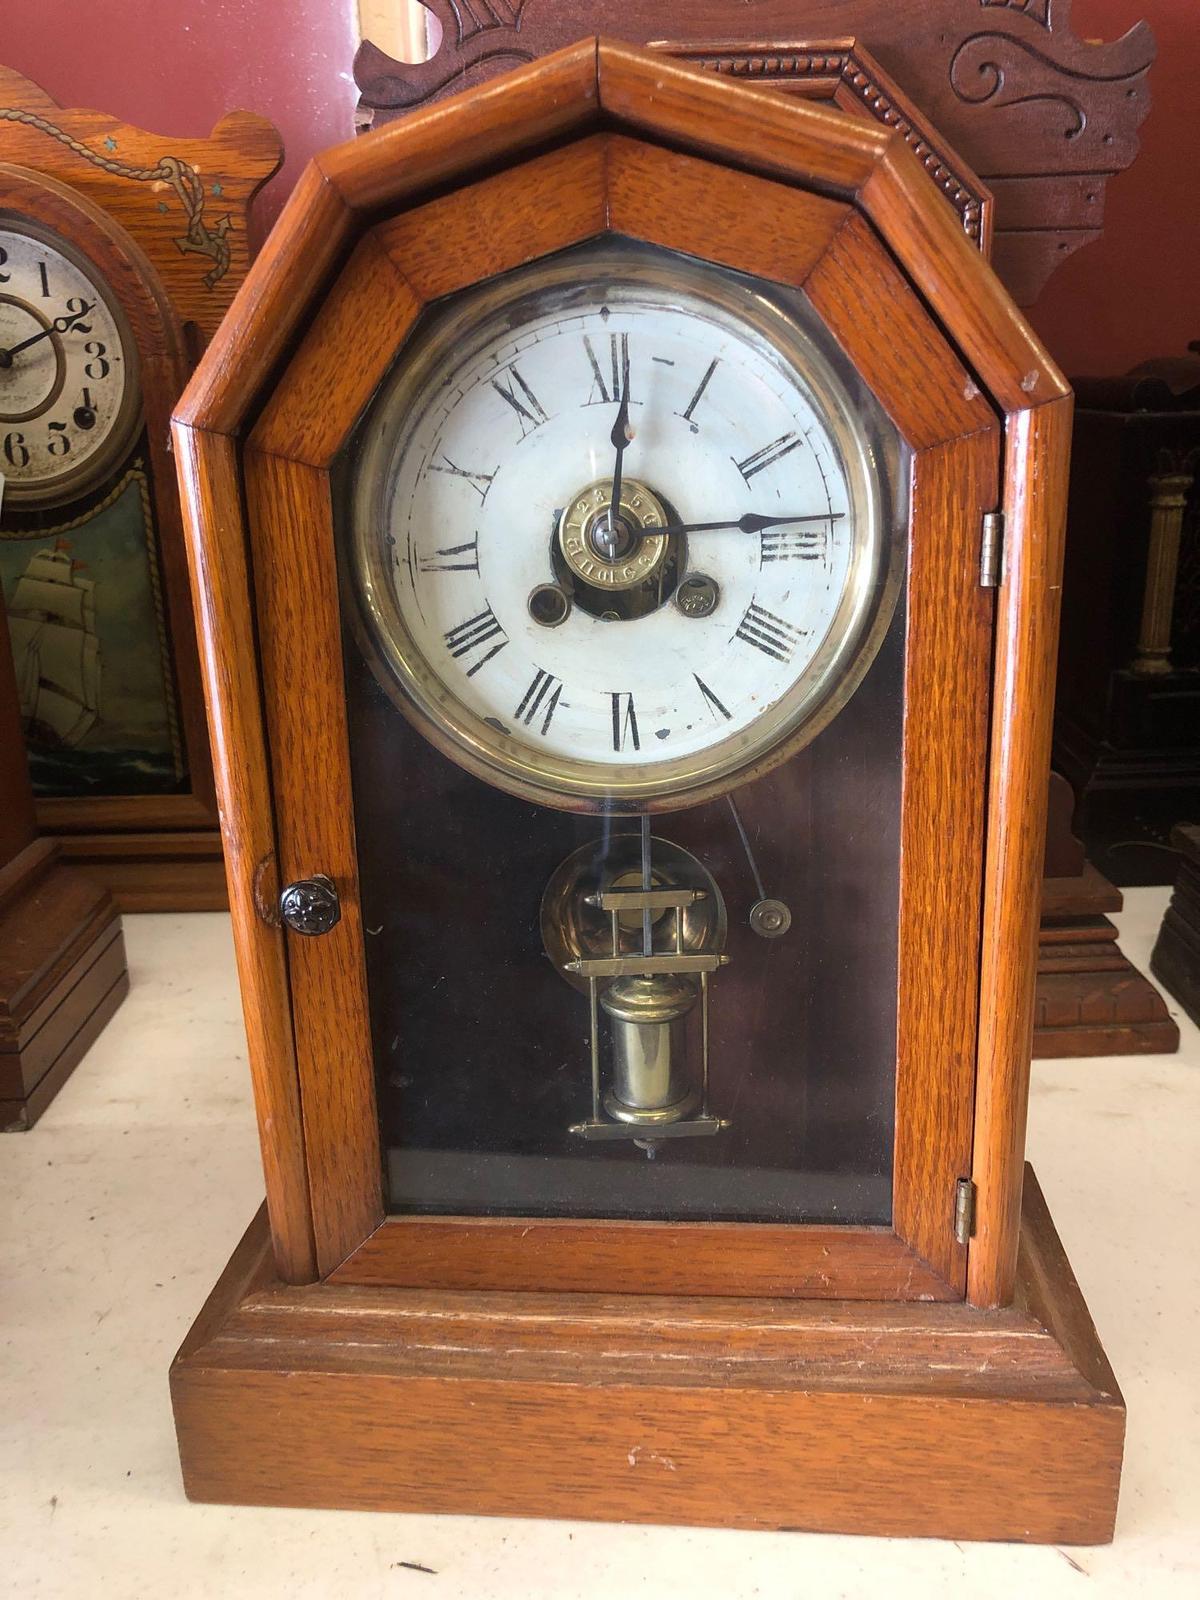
621, 436
59, 325
752, 522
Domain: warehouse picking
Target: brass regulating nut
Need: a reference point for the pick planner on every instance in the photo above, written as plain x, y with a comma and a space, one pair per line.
770, 919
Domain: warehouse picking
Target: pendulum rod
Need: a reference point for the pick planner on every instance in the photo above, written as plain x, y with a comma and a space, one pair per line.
593, 997
647, 885
737, 818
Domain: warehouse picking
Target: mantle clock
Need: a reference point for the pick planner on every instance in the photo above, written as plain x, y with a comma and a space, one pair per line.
120, 250
592, 498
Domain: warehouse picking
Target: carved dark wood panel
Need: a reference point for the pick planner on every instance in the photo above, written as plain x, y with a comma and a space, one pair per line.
1042, 117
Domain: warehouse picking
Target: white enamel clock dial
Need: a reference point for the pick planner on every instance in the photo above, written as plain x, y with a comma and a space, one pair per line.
68, 378
580, 654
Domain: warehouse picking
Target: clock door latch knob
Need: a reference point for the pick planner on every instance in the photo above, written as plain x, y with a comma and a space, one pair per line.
311, 905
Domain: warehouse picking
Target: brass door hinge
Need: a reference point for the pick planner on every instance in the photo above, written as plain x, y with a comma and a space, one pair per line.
991, 550
964, 1210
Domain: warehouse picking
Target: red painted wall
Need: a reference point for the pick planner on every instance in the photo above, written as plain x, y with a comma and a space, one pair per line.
176, 66
173, 66
1135, 293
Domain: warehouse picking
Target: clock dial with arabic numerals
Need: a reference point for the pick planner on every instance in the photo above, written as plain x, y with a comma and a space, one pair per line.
68, 370
585, 649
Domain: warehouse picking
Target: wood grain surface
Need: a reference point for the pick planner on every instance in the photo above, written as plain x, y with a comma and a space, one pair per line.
1035, 487
609, 1257
225, 624
291, 534
740, 1413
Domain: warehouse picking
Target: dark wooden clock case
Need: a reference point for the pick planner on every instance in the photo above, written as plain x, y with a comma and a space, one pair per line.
62, 952
411, 1362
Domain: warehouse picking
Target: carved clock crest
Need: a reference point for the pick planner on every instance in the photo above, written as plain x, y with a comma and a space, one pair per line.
1042, 117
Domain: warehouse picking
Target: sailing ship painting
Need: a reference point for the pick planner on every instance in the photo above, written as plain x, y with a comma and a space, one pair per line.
52, 621
90, 647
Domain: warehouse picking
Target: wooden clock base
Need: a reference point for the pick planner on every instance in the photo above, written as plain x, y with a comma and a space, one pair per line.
62, 975
905, 1419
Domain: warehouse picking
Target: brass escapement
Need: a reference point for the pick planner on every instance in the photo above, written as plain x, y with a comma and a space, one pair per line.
613, 551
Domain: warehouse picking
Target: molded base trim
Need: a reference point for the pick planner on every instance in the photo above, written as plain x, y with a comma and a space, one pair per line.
895, 1418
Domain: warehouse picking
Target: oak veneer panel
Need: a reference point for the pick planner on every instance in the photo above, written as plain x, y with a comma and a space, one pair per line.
674, 103
537, 105
971, 301
502, 222
879, 1464
733, 218
1035, 485
325, 388
213, 518
642, 1258
948, 662
295, 577
868, 304
313, 231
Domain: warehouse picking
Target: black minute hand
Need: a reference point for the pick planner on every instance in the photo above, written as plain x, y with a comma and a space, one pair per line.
752, 522
59, 325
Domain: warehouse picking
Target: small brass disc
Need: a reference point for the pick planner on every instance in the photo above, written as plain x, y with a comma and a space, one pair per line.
587, 523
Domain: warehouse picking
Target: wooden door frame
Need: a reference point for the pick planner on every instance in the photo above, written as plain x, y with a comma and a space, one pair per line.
319, 1218
608, 182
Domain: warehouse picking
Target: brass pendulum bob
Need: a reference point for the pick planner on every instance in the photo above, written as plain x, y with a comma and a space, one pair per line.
648, 1021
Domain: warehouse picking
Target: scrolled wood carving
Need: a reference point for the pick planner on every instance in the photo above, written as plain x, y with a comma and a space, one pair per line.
1042, 117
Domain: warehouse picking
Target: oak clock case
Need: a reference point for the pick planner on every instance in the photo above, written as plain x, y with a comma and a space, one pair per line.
635, 887
89, 351
622, 838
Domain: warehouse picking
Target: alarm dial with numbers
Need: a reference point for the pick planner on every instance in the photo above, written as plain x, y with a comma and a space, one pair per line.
69, 401
590, 653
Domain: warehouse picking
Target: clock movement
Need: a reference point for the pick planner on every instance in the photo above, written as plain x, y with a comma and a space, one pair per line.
630, 763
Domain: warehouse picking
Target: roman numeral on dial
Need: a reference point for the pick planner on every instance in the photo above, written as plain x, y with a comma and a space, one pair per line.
454, 558
476, 633
769, 455
529, 409
481, 482
624, 723
540, 699
699, 394
793, 544
714, 705
606, 390
766, 632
